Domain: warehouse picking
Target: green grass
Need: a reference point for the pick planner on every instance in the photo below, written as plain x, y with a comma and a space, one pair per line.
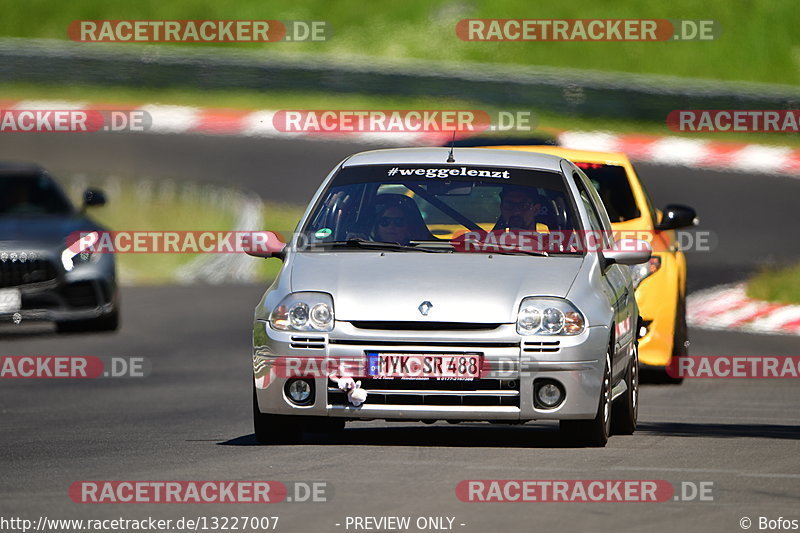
759, 41
776, 285
247, 99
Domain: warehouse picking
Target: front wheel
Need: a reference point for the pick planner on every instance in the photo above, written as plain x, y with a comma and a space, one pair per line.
593, 432
625, 413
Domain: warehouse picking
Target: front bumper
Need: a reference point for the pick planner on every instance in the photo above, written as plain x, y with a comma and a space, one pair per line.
505, 390
87, 292
657, 297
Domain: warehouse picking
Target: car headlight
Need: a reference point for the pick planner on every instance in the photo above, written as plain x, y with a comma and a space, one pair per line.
549, 316
303, 311
73, 255
639, 273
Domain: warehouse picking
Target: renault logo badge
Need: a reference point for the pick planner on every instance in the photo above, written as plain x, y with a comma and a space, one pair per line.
425, 307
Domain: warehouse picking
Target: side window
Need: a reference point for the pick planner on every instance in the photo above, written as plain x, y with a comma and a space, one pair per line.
597, 217
594, 219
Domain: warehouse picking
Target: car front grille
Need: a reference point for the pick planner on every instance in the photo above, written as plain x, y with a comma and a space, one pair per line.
16, 273
479, 392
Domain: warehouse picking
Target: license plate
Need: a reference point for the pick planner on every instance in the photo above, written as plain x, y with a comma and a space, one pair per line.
424, 366
10, 300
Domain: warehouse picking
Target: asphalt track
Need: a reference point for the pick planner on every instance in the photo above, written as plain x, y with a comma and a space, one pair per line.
190, 419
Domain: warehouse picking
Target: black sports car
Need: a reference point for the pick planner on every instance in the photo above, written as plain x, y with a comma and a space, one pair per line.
41, 278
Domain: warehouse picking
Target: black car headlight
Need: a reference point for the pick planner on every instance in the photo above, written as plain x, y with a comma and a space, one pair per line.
303, 311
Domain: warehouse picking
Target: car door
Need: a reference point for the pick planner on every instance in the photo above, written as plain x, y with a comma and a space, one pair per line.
618, 280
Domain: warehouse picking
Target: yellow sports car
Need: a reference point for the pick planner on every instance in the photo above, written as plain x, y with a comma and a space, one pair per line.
660, 283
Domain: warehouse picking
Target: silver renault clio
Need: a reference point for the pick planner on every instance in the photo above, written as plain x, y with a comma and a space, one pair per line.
427, 284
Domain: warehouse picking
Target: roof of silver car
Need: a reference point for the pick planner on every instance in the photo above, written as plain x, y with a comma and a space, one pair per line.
462, 156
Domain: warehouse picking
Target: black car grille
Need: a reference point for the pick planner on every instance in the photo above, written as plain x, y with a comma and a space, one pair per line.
15, 273
479, 392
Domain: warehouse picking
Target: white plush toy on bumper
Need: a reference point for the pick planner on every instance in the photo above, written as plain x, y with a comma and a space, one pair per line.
355, 394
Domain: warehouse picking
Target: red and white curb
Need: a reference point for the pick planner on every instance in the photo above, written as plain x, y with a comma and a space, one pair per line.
666, 150
728, 307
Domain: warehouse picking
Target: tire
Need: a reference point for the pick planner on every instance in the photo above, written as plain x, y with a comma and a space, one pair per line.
625, 413
680, 339
274, 429
109, 322
593, 432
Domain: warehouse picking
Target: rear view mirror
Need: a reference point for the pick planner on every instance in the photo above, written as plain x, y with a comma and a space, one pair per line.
677, 216
264, 244
93, 197
449, 188
628, 252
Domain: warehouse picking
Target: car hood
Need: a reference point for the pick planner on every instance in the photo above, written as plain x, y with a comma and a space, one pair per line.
41, 231
461, 287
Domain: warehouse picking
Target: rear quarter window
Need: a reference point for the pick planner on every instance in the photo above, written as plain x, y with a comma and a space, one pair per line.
612, 184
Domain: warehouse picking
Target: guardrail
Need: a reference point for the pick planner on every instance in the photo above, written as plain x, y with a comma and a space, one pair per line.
564, 91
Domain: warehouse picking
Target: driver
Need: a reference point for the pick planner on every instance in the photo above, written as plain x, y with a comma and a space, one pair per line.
392, 225
398, 220
518, 209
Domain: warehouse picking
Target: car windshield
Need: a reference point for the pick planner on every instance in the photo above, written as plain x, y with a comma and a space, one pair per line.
32, 196
611, 182
430, 207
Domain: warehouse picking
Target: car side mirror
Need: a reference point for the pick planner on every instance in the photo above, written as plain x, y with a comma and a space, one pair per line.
93, 197
628, 252
677, 216
264, 244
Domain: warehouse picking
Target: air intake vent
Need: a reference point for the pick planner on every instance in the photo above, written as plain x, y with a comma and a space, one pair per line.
538, 347
309, 343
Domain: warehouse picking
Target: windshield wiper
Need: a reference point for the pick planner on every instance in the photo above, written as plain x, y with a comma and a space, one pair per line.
518, 252
447, 245
438, 244
379, 245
